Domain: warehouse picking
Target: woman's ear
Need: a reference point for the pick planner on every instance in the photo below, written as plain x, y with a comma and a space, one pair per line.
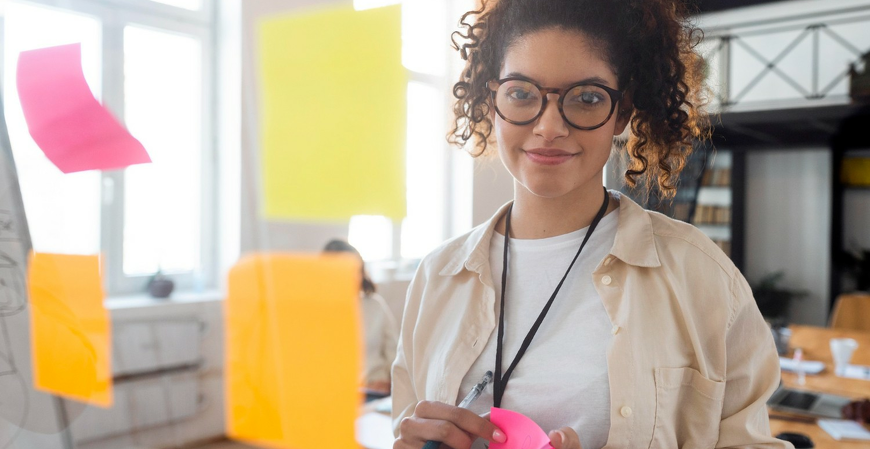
623, 112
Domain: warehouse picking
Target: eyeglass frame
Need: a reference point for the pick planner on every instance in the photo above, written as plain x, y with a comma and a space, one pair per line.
615, 97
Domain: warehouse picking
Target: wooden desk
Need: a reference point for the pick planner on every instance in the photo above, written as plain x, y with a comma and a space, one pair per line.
815, 342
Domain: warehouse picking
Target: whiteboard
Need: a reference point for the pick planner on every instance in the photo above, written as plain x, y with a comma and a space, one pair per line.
28, 418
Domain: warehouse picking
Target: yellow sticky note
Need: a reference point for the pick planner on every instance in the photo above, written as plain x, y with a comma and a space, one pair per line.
70, 328
293, 351
333, 101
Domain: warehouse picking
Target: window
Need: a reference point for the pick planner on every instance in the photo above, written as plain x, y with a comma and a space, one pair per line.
154, 73
63, 210
438, 176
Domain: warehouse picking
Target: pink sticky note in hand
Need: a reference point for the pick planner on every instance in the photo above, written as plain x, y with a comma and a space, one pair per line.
521, 431
68, 124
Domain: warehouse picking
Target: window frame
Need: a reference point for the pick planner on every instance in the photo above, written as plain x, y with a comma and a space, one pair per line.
114, 16
452, 198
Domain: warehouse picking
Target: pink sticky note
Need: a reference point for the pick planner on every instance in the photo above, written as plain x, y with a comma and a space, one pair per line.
521, 432
68, 124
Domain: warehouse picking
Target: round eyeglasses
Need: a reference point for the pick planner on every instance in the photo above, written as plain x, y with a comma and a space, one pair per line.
584, 105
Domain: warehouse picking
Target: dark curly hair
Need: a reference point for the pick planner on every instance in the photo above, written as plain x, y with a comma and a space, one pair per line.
650, 45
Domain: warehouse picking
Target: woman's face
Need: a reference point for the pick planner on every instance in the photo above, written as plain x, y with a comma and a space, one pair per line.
548, 157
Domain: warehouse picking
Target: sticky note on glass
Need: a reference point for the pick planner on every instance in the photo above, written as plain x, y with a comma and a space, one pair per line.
333, 101
68, 124
293, 351
70, 329
520, 430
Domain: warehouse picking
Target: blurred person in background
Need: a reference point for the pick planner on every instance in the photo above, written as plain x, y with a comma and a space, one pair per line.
380, 329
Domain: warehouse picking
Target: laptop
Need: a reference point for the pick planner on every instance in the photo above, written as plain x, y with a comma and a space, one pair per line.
808, 403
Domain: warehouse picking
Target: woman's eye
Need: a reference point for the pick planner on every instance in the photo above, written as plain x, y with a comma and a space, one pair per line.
520, 94
588, 98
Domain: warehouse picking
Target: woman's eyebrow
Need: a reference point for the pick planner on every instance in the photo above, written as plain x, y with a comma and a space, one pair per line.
591, 79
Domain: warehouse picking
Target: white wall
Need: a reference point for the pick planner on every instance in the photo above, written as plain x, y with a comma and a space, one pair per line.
788, 212
492, 187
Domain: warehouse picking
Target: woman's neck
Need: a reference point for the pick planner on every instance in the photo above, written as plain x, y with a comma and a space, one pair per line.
535, 217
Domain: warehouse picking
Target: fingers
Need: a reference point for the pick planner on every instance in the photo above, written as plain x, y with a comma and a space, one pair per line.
452, 426
420, 430
565, 438
465, 420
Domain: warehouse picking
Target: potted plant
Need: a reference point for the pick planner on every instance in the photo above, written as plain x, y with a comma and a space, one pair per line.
773, 301
859, 82
160, 286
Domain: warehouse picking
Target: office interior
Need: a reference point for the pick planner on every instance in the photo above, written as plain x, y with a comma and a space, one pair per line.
783, 187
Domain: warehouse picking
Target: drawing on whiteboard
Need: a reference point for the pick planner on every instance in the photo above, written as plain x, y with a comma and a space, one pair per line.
11, 286
28, 418
7, 227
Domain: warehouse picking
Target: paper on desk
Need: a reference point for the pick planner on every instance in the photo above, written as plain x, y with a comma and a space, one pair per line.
375, 431
841, 429
521, 431
70, 328
857, 372
809, 366
68, 124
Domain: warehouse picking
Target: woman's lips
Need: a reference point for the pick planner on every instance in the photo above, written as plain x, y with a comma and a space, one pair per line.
547, 156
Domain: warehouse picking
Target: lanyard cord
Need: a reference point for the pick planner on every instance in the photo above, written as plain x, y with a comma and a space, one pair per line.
501, 382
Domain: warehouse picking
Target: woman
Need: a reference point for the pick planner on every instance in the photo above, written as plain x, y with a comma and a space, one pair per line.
604, 323
379, 330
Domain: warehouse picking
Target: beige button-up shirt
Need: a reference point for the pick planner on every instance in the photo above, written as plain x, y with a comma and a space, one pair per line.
691, 364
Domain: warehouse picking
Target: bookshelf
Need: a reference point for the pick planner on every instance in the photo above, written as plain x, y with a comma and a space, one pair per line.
710, 195
713, 203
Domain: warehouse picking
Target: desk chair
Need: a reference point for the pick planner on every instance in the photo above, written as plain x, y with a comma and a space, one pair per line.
852, 311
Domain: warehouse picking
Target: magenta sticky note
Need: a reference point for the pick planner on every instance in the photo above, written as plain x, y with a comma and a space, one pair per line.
68, 124
521, 431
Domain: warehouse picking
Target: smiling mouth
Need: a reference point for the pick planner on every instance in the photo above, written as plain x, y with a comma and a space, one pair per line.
548, 156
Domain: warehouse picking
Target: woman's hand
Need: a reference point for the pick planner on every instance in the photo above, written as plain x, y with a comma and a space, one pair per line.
564, 438
455, 427
379, 386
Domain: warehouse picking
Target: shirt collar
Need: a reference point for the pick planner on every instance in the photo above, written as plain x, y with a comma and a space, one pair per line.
634, 243
473, 253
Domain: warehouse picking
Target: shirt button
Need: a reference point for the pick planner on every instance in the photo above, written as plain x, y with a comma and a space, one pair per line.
608, 261
615, 330
606, 280
625, 411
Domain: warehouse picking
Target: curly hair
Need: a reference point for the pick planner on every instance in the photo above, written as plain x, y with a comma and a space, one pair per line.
650, 44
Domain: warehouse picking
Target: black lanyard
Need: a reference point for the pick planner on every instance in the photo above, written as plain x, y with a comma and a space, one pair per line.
501, 382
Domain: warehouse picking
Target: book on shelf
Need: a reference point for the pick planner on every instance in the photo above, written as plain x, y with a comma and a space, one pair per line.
712, 215
717, 177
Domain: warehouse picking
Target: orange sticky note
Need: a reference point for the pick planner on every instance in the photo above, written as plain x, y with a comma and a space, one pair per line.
69, 328
293, 351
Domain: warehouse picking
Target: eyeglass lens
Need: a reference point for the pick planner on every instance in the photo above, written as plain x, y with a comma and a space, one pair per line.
584, 106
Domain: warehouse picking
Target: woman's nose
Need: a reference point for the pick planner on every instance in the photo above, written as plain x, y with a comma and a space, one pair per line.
550, 125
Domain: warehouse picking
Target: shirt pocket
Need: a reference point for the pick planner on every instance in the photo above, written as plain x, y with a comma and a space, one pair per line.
688, 409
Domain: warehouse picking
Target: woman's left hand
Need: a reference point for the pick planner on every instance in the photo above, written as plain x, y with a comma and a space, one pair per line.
565, 438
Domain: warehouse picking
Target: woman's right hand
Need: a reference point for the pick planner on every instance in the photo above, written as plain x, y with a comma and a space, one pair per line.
455, 427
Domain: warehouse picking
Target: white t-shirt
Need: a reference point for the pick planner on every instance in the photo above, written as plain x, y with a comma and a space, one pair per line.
561, 381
